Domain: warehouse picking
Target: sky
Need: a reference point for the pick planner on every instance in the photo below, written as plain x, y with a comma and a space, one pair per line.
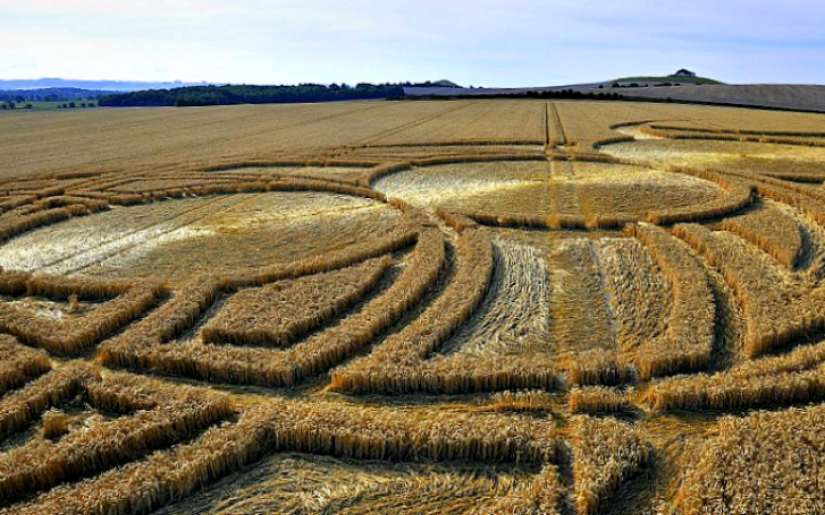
494, 43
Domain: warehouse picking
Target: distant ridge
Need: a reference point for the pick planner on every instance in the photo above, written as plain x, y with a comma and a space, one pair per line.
670, 79
796, 97
130, 86
100, 85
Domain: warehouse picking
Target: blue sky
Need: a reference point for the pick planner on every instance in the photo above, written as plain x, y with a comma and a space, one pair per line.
480, 42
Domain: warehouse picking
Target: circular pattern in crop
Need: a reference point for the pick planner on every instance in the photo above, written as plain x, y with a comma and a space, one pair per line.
547, 192
501, 329
177, 239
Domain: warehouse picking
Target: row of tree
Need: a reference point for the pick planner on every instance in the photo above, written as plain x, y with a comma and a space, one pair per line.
241, 94
20, 96
5, 106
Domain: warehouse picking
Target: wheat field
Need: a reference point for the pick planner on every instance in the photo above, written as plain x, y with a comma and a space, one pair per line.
474, 307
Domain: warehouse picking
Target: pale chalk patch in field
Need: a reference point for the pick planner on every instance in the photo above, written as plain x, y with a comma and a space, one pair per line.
425, 191
135, 254
636, 132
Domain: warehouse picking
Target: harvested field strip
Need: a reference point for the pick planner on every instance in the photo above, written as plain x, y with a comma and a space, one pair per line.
688, 135
728, 392
514, 316
687, 344
776, 312
20, 407
14, 225
453, 153
576, 154
102, 183
397, 435
555, 129
467, 374
300, 484
793, 198
46, 203
14, 283
597, 399
248, 172
496, 158
160, 478
606, 453
251, 169
383, 152
15, 202
770, 163
352, 177
278, 314
12, 186
383, 170
776, 459
41, 464
321, 428
797, 173
148, 186
207, 189
415, 351
582, 319
803, 357
144, 345
19, 364
407, 235
314, 185
802, 189
793, 377
639, 294
771, 230
493, 147
544, 495
410, 349
72, 337
58, 287
563, 190
522, 401
739, 131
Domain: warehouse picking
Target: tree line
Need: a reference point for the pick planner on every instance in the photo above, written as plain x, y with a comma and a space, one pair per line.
242, 94
558, 94
20, 96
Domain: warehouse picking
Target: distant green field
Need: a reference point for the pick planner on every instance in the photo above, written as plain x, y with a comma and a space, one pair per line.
672, 80
47, 106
